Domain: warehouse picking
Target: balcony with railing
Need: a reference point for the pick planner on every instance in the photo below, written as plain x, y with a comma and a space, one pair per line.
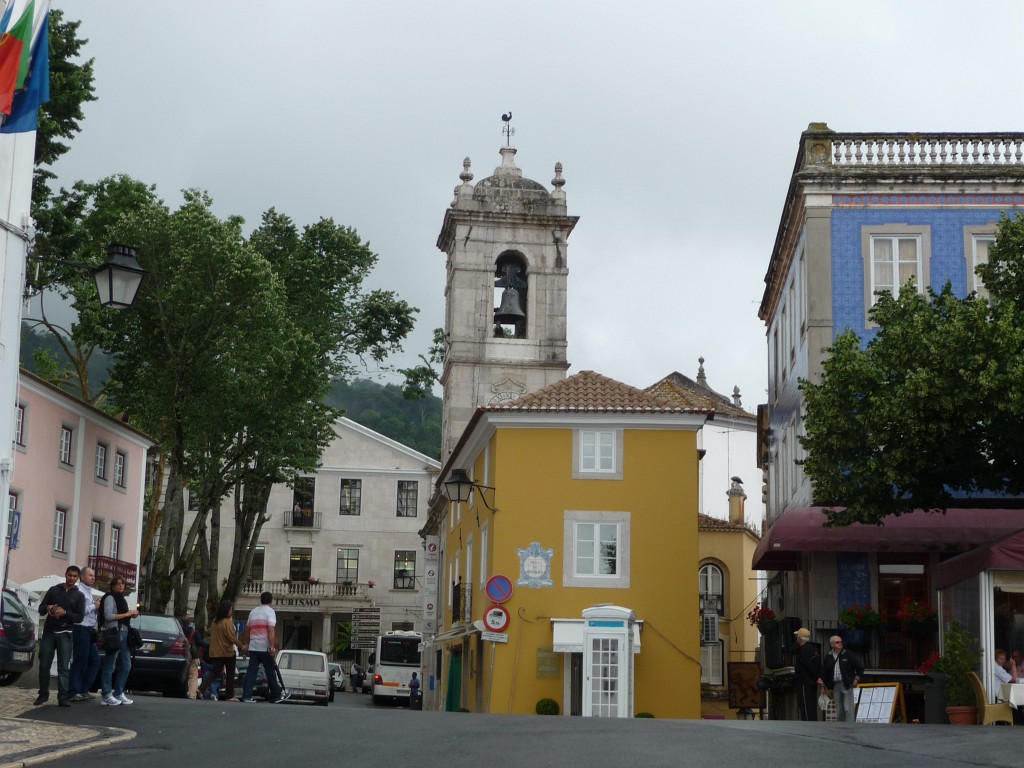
304, 519
307, 588
462, 602
109, 568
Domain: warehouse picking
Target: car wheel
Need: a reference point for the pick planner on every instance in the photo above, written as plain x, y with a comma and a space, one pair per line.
175, 690
378, 700
323, 702
7, 678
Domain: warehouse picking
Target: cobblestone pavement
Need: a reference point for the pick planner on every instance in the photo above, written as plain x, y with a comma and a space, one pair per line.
28, 742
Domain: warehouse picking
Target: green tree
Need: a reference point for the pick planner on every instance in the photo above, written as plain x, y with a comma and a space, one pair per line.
928, 409
71, 85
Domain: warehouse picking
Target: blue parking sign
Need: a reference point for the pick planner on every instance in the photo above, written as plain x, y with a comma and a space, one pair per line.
15, 528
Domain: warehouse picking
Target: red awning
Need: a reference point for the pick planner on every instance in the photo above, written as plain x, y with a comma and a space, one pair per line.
1007, 554
956, 530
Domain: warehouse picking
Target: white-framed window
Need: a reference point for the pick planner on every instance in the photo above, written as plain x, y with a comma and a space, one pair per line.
66, 443
597, 454
348, 565
120, 465
59, 530
711, 666
95, 537
596, 546
980, 246
405, 569
483, 553
711, 588
893, 254
12, 507
19, 425
351, 498
101, 461
115, 542
408, 495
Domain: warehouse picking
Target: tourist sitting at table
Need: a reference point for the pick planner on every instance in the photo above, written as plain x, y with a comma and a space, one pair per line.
1006, 671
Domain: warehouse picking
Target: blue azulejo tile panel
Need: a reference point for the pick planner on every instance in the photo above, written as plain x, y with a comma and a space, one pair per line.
948, 261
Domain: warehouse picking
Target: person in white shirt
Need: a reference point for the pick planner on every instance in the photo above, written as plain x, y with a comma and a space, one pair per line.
1006, 672
85, 657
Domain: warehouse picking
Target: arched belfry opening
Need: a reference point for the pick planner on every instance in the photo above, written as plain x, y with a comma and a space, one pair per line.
510, 291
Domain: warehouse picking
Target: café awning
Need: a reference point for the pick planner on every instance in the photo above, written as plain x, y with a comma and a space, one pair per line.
1006, 554
957, 530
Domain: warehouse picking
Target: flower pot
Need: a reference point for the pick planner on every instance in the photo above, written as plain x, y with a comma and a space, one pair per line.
962, 715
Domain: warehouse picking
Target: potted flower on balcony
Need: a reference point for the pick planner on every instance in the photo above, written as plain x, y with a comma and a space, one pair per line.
286, 580
859, 616
313, 580
762, 617
920, 616
859, 622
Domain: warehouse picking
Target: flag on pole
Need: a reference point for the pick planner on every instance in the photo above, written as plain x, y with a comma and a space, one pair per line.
24, 115
7, 17
14, 56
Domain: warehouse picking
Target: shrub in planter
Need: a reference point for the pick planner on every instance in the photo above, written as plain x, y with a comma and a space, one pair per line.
547, 707
643, 714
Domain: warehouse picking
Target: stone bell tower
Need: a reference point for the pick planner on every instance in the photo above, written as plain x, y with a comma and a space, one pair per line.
505, 291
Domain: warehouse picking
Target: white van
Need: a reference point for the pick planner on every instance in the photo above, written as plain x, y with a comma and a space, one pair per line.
305, 675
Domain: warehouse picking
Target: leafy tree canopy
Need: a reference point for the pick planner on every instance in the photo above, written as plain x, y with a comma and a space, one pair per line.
930, 409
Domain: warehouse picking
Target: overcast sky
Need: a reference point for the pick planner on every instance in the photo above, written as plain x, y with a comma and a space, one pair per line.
677, 125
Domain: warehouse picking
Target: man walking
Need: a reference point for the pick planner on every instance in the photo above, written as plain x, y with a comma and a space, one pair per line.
258, 644
85, 657
806, 674
841, 672
63, 606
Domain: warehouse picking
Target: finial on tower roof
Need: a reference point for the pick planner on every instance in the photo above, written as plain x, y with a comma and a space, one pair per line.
736, 397
701, 378
507, 129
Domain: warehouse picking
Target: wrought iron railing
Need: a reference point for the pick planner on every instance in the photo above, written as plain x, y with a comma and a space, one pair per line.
294, 519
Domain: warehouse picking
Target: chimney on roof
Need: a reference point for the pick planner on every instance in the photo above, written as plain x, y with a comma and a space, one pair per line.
736, 397
736, 496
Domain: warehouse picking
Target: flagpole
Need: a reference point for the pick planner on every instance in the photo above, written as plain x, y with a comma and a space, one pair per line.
17, 158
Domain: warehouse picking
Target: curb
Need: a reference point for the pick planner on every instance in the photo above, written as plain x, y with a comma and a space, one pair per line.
104, 736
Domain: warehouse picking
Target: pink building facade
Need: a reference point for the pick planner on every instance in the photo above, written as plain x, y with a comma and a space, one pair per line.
79, 484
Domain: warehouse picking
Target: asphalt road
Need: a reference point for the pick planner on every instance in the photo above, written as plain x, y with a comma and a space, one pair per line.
176, 732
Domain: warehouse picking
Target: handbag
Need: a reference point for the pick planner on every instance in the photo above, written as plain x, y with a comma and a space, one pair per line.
823, 701
111, 640
134, 638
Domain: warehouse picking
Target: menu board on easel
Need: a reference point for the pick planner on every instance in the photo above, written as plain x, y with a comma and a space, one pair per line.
880, 703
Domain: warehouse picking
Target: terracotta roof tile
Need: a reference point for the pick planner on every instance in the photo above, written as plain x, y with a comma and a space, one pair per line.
589, 391
688, 393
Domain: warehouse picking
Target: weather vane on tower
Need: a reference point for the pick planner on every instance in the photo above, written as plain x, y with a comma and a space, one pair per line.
507, 129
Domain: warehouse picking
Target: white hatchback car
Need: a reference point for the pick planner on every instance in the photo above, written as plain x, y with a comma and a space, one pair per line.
305, 675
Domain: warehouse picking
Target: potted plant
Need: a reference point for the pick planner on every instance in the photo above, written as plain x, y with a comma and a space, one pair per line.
313, 580
859, 616
762, 617
959, 657
920, 616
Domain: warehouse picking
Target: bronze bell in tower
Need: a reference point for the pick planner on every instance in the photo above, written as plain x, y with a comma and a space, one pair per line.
510, 311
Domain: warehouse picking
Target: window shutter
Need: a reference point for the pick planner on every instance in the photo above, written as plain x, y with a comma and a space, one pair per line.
709, 629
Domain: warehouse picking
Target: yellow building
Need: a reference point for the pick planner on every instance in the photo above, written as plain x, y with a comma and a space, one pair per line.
728, 589
584, 503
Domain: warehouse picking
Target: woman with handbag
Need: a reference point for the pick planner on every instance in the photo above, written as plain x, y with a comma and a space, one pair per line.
223, 641
116, 617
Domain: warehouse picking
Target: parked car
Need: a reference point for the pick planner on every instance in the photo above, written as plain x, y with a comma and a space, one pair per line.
368, 680
161, 664
17, 638
305, 675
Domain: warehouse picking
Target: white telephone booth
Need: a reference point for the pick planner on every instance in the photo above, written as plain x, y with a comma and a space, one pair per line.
608, 661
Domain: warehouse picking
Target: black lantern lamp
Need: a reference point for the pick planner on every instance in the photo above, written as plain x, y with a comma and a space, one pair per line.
458, 487
118, 278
